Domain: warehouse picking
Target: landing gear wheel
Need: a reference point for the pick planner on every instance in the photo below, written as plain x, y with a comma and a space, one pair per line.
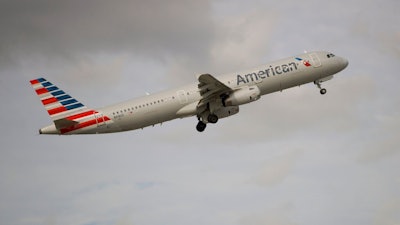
201, 126
321, 90
212, 118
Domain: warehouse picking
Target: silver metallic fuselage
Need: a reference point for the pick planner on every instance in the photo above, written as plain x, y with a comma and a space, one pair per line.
181, 102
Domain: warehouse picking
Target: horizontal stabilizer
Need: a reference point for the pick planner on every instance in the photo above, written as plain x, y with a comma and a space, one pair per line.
64, 123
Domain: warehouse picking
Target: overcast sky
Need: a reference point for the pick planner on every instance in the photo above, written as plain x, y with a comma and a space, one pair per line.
291, 158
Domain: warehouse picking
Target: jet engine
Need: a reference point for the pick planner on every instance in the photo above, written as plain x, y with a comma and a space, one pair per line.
242, 96
226, 111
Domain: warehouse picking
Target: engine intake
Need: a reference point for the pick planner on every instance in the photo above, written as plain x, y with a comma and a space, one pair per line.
243, 96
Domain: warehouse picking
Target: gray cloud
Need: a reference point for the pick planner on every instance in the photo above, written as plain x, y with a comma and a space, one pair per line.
274, 171
291, 158
386, 142
388, 213
267, 219
66, 29
239, 41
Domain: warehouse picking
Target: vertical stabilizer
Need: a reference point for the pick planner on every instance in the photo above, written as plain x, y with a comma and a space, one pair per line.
57, 103
68, 114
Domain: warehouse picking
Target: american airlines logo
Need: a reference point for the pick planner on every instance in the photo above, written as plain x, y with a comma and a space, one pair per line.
305, 62
262, 74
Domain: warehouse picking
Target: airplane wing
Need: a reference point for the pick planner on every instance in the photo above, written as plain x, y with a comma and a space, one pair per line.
210, 90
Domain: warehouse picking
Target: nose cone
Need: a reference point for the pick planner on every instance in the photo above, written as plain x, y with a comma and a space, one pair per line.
343, 62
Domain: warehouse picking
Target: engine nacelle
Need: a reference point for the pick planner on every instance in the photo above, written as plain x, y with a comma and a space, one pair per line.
243, 96
226, 111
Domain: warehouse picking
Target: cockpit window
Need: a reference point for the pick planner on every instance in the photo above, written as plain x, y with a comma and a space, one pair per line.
330, 55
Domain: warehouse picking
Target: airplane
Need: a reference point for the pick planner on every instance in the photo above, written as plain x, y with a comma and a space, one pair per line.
209, 99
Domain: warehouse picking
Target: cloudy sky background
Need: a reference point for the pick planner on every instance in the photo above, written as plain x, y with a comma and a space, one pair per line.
294, 157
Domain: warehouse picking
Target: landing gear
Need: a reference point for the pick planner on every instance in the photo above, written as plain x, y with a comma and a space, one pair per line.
212, 118
201, 126
321, 90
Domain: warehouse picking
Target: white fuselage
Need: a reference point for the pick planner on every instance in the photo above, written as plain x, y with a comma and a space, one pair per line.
182, 102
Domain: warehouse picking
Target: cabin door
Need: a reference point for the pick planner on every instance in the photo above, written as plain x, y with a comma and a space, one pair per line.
315, 60
100, 121
182, 96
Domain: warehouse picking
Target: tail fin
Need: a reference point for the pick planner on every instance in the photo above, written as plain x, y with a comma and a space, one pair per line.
62, 108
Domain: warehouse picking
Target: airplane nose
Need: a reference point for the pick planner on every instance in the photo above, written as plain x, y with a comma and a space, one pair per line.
344, 62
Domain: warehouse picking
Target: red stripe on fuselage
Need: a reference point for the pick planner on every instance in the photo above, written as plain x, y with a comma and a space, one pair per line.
80, 115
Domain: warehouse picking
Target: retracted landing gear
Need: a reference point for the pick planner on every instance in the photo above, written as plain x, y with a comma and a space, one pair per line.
321, 90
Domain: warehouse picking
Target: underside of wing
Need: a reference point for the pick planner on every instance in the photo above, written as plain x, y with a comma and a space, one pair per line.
211, 89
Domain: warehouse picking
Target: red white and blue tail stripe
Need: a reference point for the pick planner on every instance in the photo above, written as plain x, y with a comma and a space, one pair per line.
68, 114
57, 103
